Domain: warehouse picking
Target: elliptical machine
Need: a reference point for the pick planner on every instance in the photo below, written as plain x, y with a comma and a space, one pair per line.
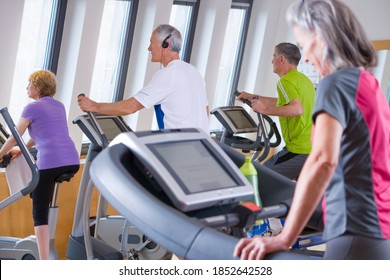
108, 240
237, 122
14, 248
26, 248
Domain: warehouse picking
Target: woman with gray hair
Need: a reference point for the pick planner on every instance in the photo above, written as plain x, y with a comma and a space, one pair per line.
349, 165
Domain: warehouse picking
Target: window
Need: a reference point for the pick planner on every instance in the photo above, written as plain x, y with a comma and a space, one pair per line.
113, 50
41, 20
183, 17
232, 53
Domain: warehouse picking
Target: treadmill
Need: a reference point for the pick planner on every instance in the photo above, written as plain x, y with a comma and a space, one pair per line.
156, 180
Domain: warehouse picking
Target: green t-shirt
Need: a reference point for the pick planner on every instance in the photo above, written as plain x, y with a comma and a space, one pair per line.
296, 130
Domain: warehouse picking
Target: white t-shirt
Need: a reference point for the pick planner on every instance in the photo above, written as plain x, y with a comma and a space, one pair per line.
180, 90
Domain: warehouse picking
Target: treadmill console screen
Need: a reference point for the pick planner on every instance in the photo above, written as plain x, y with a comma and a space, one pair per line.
189, 166
193, 166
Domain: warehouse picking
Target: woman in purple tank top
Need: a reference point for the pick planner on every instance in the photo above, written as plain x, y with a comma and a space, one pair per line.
45, 119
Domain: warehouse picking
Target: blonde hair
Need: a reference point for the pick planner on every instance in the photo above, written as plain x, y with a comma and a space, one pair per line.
45, 81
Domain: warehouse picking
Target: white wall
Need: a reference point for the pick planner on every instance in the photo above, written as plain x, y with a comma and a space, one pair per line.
77, 56
10, 24
267, 28
374, 16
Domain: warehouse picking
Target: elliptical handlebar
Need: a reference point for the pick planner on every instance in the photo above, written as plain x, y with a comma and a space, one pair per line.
30, 161
3, 131
97, 127
7, 157
273, 131
263, 143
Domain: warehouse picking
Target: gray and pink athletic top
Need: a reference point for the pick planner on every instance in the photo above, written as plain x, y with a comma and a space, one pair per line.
357, 200
49, 130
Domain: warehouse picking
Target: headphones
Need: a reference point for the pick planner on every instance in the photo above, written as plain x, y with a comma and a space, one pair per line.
164, 43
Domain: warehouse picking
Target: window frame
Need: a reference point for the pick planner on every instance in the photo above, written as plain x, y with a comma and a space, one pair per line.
122, 68
49, 47
186, 52
124, 57
54, 41
245, 5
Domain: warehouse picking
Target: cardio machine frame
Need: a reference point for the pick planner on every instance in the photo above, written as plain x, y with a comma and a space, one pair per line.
102, 244
13, 247
265, 129
27, 155
187, 235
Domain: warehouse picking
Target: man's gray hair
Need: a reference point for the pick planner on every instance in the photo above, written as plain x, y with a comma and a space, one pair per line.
290, 51
174, 41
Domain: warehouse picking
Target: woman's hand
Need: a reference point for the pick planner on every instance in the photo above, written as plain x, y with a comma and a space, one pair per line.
256, 248
15, 152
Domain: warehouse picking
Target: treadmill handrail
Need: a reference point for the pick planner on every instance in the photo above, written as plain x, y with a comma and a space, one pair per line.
27, 155
233, 218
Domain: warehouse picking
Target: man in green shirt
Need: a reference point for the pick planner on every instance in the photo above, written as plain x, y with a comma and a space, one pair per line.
293, 106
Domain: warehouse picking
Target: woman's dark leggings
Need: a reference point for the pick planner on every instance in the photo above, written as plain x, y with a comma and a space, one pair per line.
43, 193
354, 247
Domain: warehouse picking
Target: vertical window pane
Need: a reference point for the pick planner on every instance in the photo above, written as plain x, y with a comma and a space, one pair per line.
229, 58
183, 16
33, 38
113, 26
181, 19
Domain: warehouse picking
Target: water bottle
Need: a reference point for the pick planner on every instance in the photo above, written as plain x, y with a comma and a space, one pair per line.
250, 172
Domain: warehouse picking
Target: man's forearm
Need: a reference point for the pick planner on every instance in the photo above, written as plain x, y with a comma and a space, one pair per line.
120, 108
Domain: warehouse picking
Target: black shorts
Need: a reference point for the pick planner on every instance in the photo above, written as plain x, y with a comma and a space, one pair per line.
43, 193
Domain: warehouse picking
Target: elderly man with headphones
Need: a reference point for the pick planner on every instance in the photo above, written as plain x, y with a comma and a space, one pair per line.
177, 91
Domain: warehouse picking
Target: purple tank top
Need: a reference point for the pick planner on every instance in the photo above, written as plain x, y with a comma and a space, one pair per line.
49, 130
